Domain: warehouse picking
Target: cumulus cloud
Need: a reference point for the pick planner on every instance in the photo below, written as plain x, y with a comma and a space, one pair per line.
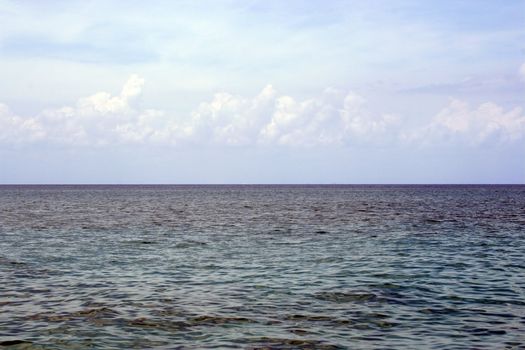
99, 119
333, 118
15, 129
460, 122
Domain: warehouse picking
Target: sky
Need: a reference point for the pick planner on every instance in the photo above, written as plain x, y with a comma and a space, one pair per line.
224, 91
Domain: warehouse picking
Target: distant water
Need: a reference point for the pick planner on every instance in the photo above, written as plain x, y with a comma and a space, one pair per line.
270, 267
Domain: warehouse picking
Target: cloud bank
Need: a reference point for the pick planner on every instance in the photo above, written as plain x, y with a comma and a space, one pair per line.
459, 122
333, 118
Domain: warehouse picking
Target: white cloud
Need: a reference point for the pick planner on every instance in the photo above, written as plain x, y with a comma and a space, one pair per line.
333, 118
230, 119
459, 122
102, 119
15, 129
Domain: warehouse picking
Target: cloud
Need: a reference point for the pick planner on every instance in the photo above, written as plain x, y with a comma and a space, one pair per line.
15, 129
99, 119
522, 71
458, 121
333, 118
96, 120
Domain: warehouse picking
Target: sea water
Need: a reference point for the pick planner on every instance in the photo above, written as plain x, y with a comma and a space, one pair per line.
273, 267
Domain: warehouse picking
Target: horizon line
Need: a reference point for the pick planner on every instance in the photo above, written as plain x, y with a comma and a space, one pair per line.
262, 184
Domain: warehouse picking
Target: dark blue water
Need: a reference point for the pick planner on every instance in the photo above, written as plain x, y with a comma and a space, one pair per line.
262, 267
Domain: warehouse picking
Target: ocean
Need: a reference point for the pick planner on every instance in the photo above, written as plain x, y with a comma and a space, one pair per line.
262, 267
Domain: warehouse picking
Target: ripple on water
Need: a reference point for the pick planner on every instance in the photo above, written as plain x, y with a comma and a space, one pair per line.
262, 267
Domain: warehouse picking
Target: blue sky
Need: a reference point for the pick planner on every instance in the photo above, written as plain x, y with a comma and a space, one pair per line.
262, 92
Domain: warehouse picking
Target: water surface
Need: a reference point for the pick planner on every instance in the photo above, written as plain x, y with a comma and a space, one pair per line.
279, 267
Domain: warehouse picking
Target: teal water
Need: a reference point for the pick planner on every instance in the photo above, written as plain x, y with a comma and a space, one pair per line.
262, 267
